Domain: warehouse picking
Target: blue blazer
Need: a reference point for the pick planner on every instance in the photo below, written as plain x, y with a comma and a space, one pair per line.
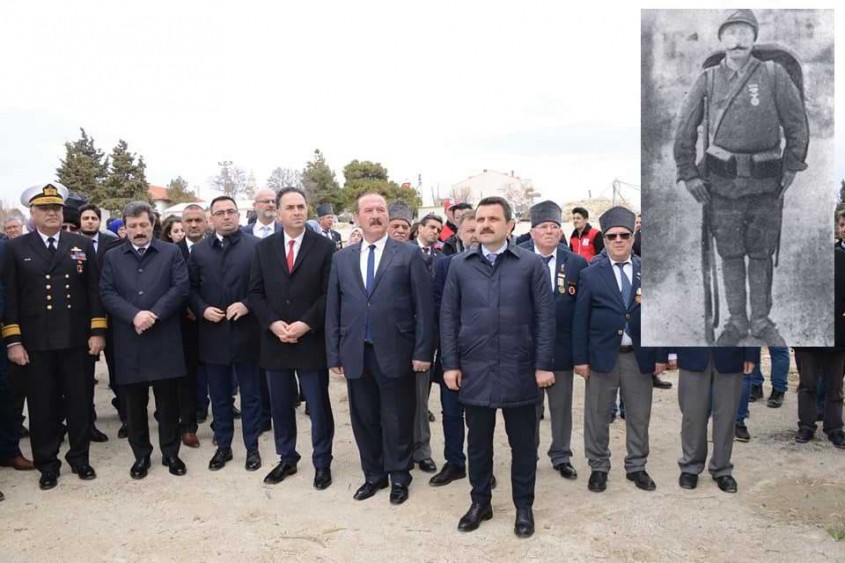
401, 311
725, 360
564, 289
600, 317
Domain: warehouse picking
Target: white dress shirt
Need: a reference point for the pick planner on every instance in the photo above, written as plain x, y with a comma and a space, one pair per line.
45, 237
628, 268
189, 244
263, 231
485, 251
296, 246
365, 253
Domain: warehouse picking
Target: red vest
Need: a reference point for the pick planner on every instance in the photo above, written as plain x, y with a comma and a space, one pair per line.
585, 245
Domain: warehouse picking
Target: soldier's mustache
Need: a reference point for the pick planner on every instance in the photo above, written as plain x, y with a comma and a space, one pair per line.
375, 221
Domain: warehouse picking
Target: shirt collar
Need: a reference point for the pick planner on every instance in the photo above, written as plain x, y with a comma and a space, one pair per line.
485, 251
537, 251
45, 237
379, 243
614, 262
297, 240
740, 72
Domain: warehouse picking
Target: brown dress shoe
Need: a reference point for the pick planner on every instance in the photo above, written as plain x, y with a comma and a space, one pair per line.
190, 439
18, 463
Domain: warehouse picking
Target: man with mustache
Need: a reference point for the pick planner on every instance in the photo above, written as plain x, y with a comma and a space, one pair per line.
744, 173
379, 333
54, 320
144, 287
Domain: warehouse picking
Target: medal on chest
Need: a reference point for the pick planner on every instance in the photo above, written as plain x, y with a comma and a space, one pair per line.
754, 92
639, 295
561, 280
572, 288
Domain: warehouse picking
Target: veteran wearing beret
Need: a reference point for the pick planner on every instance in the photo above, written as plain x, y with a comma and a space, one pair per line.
53, 321
325, 218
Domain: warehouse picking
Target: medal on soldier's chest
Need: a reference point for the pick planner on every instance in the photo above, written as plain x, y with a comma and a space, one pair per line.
572, 288
754, 92
561, 280
639, 296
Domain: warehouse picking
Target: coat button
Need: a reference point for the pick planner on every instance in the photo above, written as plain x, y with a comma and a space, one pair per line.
67, 275
68, 306
47, 276
140, 270
627, 315
49, 297
619, 333
287, 301
67, 287
140, 293
49, 307
68, 295
47, 286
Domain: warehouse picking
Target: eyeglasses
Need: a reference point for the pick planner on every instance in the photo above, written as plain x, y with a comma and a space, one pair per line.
614, 236
264, 201
222, 212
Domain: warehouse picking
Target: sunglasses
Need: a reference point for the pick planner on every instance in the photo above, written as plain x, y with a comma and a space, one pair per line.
614, 236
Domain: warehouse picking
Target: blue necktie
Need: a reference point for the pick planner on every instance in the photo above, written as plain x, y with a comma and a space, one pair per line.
547, 259
371, 275
626, 289
492, 258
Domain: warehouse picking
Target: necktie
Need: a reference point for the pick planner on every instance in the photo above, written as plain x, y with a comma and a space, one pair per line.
51, 245
95, 241
626, 289
492, 258
425, 250
265, 230
142, 250
371, 274
547, 259
290, 255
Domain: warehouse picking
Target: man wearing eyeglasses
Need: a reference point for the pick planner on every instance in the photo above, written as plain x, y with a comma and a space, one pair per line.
265, 223
219, 269
608, 355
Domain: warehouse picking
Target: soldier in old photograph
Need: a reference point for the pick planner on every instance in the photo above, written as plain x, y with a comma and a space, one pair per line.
755, 137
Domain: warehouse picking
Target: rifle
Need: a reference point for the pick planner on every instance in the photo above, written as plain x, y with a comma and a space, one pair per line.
709, 271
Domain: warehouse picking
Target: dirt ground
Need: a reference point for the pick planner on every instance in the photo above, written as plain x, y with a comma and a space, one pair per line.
790, 504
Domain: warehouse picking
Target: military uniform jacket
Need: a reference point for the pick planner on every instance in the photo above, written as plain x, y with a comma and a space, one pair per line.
52, 300
568, 266
219, 276
156, 282
752, 119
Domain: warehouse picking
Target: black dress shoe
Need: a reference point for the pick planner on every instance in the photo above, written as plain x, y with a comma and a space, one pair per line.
278, 474
202, 416
524, 525
804, 435
175, 465
235, 412
140, 467
493, 483
642, 480
775, 399
2, 496
756, 393
398, 494
566, 471
322, 478
368, 489
741, 433
726, 483
448, 474
474, 516
48, 480
658, 383
837, 438
253, 460
84, 472
123, 432
598, 481
688, 481
97, 436
219, 459
427, 465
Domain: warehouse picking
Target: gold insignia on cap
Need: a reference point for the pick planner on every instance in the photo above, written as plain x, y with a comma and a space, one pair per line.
50, 189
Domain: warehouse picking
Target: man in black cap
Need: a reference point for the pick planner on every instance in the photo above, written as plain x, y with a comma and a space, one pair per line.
53, 320
325, 217
607, 353
745, 173
400, 219
564, 268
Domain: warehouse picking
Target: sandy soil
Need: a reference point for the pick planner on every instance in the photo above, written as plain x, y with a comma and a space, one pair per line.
791, 498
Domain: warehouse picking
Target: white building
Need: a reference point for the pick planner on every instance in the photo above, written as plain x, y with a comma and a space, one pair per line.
490, 183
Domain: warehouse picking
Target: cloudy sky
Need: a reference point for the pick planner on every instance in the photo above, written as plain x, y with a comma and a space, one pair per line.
443, 89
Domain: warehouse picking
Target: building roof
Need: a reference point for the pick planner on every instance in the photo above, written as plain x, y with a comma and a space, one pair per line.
157, 193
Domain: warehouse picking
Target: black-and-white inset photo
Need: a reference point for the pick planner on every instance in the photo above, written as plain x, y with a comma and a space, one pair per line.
738, 186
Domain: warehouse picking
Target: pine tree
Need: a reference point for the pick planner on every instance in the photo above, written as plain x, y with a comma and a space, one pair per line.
178, 191
365, 176
126, 181
84, 168
320, 185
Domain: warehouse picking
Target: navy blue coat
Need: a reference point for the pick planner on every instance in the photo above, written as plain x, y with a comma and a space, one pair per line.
497, 326
219, 277
565, 289
600, 317
401, 311
156, 282
725, 360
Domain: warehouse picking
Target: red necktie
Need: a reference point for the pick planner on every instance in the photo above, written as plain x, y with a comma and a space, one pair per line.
290, 255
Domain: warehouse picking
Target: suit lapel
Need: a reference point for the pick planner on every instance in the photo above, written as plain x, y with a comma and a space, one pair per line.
390, 248
355, 257
635, 284
304, 248
61, 251
606, 269
280, 251
39, 247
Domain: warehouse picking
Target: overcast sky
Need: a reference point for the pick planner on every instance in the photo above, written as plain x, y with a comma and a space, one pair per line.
441, 89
